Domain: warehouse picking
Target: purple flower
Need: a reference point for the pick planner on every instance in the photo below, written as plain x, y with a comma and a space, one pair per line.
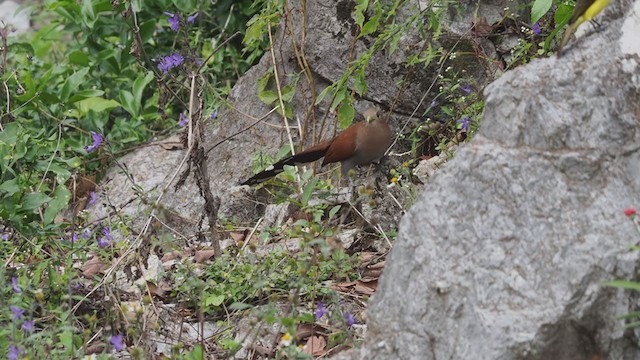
214, 115
116, 341
86, 233
174, 21
17, 313
28, 326
191, 19
93, 198
15, 285
5, 236
536, 28
74, 237
433, 103
97, 141
14, 352
320, 311
102, 243
183, 120
348, 317
170, 61
176, 59
164, 65
464, 123
107, 233
466, 88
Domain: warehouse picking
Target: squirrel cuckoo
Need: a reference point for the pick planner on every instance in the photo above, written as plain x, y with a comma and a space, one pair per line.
359, 144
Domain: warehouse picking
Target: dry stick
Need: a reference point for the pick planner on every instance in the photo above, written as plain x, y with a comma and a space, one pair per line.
303, 64
278, 87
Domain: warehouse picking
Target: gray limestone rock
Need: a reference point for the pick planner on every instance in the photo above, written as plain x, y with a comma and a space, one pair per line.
505, 253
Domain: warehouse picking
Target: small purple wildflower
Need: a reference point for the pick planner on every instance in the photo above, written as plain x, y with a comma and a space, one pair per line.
536, 28
97, 141
464, 123
214, 115
74, 237
17, 313
5, 236
28, 326
14, 352
176, 59
93, 198
191, 19
170, 61
349, 319
15, 285
433, 103
466, 88
107, 233
174, 21
164, 65
320, 311
116, 341
86, 233
102, 242
183, 120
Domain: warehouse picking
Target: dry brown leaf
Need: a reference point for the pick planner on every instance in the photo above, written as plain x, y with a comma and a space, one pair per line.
368, 256
93, 267
366, 286
315, 346
203, 255
263, 351
344, 287
171, 256
379, 265
372, 273
305, 330
238, 236
170, 145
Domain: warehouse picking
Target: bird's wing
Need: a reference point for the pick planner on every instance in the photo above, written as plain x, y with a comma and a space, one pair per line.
343, 146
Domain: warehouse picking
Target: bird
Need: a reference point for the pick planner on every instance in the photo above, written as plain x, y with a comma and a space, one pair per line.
585, 10
360, 144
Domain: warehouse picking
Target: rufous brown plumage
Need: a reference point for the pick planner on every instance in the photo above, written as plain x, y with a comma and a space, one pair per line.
360, 144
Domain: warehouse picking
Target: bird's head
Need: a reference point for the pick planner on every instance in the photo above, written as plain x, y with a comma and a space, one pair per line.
371, 115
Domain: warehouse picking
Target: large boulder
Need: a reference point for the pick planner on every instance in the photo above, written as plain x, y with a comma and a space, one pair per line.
510, 262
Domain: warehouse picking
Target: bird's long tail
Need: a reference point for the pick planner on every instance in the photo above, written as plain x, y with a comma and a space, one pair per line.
309, 155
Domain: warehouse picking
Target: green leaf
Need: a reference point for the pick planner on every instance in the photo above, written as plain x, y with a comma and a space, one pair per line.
34, 200
10, 187
308, 191
334, 210
84, 94
324, 93
196, 354
624, 284
240, 306
128, 103
78, 58
215, 300
372, 25
66, 339
60, 200
73, 83
563, 14
346, 114
539, 8
358, 13
96, 104
138, 87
